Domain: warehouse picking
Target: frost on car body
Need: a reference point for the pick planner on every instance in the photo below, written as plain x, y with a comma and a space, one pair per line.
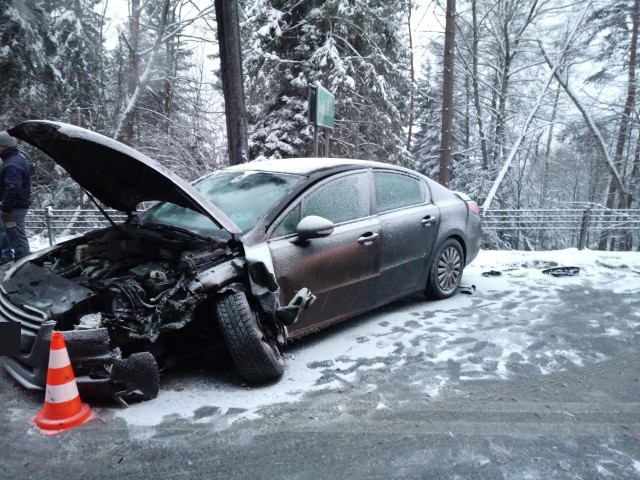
114, 294
234, 261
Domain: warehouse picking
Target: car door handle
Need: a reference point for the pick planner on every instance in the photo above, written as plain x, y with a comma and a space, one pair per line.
428, 221
368, 238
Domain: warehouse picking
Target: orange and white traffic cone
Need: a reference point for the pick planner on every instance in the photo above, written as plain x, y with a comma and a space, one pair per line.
63, 408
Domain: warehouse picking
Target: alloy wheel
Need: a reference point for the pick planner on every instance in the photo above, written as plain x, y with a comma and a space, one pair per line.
449, 269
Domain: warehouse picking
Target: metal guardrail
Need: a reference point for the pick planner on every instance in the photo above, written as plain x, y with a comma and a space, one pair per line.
578, 223
594, 222
56, 223
562, 219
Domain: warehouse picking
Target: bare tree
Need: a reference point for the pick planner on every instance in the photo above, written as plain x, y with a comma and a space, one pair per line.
446, 141
533, 111
162, 31
412, 74
476, 87
591, 124
125, 130
614, 195
547, 151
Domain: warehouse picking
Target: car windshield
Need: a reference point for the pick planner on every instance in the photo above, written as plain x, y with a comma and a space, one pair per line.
244, 196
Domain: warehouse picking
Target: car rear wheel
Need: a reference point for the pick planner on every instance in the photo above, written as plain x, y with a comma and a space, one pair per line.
255, 358
446, 270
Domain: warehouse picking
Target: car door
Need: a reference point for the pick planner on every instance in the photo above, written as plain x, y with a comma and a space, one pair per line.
340, 269
408, 228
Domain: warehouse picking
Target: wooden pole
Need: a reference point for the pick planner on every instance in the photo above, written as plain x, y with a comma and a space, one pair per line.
232, 83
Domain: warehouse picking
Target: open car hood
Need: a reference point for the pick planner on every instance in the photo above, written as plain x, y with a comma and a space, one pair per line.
117, 175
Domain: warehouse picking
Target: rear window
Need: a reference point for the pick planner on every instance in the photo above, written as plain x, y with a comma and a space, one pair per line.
340, 200
395, 190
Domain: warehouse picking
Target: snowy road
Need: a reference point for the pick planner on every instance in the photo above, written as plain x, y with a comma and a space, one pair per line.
519, 324
527, 376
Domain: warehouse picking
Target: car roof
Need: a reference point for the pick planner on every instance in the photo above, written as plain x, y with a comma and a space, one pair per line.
311, 166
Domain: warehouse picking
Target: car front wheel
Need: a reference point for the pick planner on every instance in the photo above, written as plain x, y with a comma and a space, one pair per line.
255, 358
446, 270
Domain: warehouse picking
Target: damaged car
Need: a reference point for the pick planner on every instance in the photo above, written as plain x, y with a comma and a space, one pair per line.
246, 259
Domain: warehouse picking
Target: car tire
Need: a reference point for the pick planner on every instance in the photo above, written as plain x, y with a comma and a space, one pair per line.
446, 269
255, 358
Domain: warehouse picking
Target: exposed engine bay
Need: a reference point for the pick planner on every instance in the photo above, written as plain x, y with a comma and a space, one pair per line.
173, 283
137, 286
115, 293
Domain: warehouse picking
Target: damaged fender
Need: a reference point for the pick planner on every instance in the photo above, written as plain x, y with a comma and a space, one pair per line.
265, 289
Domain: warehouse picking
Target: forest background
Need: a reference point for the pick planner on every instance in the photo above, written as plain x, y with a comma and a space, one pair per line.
544, 91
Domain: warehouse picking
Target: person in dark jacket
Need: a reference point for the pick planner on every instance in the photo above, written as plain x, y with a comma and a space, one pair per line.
15, 194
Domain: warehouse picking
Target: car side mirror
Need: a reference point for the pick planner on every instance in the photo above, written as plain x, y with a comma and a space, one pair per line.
313, 226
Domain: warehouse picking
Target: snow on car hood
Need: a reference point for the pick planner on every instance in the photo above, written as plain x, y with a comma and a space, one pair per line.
117, 175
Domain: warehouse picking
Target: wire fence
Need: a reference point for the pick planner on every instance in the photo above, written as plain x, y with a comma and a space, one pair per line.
55, 224
593, 227
514, 229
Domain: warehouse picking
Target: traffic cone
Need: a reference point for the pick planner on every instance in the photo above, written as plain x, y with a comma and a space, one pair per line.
63, 408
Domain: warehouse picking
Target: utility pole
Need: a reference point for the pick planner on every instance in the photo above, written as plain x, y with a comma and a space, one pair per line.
232, 82
446, 139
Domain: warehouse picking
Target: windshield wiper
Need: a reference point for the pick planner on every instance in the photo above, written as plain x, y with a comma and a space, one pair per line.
173, 229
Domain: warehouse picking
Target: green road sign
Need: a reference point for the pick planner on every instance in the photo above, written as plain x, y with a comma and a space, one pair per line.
321, 106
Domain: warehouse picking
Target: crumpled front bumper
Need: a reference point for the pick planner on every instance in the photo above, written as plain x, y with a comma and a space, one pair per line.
99, 370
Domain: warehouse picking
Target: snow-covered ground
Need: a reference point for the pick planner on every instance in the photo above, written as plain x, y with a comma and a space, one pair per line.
521, 322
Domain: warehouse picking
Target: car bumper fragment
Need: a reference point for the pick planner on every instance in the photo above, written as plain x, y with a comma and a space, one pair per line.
99, 370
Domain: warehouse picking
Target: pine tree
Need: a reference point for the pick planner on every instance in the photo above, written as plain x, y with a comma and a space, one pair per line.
26, 47
77, 64
355, 49
158, 105
427, 138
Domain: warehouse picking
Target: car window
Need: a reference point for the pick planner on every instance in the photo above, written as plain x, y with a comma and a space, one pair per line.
244, 196
395, 190
340, 200
289, 223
